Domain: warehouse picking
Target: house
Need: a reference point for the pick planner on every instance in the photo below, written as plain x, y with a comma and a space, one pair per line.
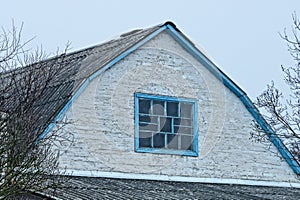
154, 117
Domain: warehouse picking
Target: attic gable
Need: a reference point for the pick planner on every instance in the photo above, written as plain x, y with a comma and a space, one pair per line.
81, 70
113, 51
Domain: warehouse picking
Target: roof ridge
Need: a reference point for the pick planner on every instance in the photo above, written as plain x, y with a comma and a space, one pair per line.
120, 37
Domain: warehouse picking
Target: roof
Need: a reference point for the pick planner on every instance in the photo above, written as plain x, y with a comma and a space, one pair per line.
107, 188
80, 68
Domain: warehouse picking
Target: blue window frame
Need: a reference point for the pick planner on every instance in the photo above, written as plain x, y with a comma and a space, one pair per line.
166, 124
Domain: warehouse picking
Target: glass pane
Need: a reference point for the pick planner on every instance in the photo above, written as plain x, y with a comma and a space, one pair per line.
181, 122
159, 140
172, 109
144, 106
148, 127
177, 121
144, 118
165, 124
185, 130
172, 141
145, 139
158, 108
186, 142
185, 122
186, 110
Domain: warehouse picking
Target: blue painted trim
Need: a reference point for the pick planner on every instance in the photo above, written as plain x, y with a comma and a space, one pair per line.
97, 73
204, 60
164, 98
212, 68
136, 119
286, 154
167, 151
137, 96
195, 110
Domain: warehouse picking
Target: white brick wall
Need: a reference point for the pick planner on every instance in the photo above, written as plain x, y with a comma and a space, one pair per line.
104, 121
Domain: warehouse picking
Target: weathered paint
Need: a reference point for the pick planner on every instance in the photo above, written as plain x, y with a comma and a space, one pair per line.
189, 47
104, 121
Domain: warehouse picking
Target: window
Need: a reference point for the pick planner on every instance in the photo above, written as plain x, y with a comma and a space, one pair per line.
165, 125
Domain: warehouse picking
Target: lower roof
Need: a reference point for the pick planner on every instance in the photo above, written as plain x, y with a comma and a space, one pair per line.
110, 188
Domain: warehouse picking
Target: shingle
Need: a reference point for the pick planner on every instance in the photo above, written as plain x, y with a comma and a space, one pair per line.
106, 188
76, 68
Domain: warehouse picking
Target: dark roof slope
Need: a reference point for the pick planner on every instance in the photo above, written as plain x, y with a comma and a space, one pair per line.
106, 188
77, 67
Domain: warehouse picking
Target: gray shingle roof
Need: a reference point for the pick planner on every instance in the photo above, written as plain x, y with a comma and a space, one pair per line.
106, 188
78, 67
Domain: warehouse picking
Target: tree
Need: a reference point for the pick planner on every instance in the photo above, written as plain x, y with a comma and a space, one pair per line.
27, 159
282, 111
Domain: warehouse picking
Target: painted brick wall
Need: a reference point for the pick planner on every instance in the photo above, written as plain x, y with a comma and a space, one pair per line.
103, 117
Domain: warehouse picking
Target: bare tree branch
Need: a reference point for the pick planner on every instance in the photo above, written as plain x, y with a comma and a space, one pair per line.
27, 161
283, 112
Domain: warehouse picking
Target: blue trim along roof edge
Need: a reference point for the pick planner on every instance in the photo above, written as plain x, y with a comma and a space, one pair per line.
93, 76
190, 47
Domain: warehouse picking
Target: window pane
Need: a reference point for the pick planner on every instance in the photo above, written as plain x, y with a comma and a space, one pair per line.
186, 110
145, 139
186, 142
159, 140
172, 109
172, 141
154, 119
165, 124
185, 130
177, 121
158, 108
185, 122
181, 122
144, 118
148, 127
144, 106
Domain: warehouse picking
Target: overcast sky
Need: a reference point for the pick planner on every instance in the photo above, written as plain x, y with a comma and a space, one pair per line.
241, 37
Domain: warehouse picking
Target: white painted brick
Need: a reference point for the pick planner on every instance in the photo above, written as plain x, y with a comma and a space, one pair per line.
104, 121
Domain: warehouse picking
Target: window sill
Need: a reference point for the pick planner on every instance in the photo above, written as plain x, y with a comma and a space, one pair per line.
167, 151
